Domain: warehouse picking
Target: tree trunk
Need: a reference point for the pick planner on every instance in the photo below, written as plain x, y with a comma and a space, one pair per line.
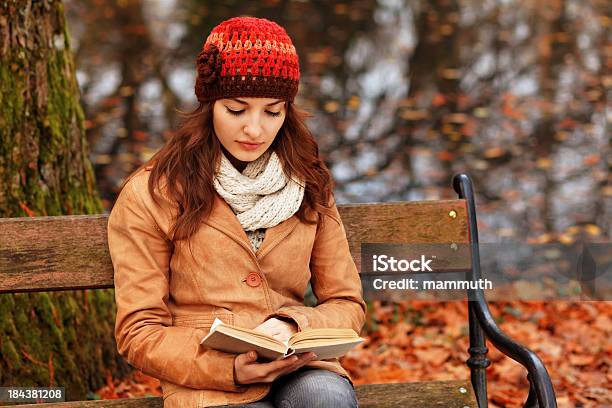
52, 338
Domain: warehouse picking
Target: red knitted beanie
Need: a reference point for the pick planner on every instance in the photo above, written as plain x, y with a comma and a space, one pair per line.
247, 56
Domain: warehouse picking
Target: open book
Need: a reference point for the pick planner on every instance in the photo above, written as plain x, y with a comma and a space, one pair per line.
325, 343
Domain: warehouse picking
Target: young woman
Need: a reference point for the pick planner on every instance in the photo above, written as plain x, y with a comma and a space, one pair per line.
231, 219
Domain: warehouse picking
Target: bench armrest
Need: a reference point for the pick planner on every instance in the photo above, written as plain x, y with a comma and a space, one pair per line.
481, 319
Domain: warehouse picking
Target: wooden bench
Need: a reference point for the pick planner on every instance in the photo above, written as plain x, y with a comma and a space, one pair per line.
76, 257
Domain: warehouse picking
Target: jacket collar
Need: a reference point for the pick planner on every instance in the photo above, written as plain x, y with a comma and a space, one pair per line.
223, 219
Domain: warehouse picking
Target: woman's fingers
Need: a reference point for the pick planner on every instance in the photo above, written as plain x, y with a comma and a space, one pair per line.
249, 371
276, 328
279, 364
298, 362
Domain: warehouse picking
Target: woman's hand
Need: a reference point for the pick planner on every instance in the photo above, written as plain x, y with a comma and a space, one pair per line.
279, 329
248, 371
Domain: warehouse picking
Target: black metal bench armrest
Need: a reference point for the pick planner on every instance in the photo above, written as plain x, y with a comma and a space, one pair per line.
541, 390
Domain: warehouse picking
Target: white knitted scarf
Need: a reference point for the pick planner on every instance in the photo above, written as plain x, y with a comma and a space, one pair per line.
261, 196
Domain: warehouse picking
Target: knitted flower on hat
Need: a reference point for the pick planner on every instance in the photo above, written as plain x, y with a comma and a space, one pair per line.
247, 56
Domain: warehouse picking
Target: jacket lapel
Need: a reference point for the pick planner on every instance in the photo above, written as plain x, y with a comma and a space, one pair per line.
223, 219
276, 234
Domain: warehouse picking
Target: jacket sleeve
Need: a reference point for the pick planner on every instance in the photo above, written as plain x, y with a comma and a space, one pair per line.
144, 333
335, 282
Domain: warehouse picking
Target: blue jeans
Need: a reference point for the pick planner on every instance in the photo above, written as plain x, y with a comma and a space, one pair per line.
308, 388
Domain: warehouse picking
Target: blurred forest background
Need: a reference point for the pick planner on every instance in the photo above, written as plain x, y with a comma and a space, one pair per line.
405, 93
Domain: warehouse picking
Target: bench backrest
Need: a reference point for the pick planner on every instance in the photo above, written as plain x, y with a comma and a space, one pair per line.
71, 252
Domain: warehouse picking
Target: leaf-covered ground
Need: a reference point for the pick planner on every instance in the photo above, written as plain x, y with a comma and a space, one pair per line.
420, 341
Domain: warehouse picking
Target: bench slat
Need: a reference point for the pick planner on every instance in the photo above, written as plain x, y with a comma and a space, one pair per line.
426, 223
54, 253
434, 394
71, 252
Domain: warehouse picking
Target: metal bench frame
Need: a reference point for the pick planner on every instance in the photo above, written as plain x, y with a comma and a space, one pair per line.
481, 321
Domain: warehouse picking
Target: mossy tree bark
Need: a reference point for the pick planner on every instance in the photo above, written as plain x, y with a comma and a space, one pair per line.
51, 338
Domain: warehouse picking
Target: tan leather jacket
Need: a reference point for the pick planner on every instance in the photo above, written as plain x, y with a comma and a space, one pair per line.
167, 299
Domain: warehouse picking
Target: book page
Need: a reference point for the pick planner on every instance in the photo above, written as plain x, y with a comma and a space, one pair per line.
324, 333
326, 351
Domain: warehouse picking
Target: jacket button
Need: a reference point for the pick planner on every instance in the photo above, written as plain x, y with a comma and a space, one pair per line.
253, 279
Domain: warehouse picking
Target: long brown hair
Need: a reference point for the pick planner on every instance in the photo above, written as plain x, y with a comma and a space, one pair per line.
189, 159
